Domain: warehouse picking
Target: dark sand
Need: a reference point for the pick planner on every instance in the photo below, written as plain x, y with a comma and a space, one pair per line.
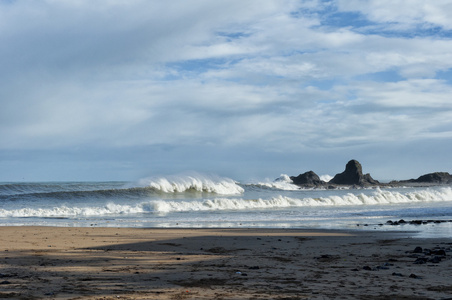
125, 263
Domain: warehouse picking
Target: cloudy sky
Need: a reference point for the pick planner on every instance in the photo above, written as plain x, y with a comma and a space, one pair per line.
119, 90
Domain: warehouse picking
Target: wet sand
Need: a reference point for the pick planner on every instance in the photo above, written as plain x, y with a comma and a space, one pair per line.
128, 263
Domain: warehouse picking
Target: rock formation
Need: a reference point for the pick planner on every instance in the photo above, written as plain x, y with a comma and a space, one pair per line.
430, 178
353, 175
308, 178
437, 177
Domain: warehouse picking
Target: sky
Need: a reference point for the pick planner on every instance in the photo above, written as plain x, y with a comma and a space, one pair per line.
126, 89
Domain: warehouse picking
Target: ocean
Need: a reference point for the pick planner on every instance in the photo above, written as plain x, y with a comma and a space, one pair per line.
201, 201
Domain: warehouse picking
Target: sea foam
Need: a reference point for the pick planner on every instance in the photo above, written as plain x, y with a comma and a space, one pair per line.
377, 197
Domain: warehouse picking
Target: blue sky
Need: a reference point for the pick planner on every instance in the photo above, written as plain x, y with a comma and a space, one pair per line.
246, 89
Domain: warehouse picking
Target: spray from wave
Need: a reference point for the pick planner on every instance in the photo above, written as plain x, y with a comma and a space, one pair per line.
326, 177
283, 182
192, 182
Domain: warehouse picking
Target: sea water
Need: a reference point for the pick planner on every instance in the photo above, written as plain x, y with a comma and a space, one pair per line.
203, 201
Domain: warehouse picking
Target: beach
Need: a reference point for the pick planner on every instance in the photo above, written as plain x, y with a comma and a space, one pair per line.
38, 262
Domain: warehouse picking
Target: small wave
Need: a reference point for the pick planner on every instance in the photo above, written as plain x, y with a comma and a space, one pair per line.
124, 193
65, 211
30, 188
193, 182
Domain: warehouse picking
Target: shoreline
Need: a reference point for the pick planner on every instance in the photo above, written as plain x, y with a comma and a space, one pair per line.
220, 263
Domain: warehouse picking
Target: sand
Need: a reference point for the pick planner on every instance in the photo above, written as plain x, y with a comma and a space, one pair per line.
130, 263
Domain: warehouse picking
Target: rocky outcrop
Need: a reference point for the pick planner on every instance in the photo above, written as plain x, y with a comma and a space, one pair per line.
353, 175
430, 178
309, 178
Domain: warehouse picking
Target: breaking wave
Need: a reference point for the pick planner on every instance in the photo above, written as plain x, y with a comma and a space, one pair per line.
283, 182
145, 187
325, 177
378, 197
230, 204
193, 182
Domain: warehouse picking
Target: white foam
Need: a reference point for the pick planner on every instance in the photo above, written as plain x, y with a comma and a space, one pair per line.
283, 182
64, 211
196, 182
326, 177
377, 197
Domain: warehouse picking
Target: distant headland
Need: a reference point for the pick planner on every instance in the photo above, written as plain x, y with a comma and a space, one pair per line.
353, 176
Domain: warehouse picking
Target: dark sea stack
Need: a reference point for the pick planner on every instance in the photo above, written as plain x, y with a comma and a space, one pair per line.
353, 175
308, 178
437, 177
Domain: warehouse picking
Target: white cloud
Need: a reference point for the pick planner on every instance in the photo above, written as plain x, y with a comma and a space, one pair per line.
408, 14
267, 75
416, 93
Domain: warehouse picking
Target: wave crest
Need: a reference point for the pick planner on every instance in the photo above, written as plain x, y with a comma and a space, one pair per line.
193, 182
